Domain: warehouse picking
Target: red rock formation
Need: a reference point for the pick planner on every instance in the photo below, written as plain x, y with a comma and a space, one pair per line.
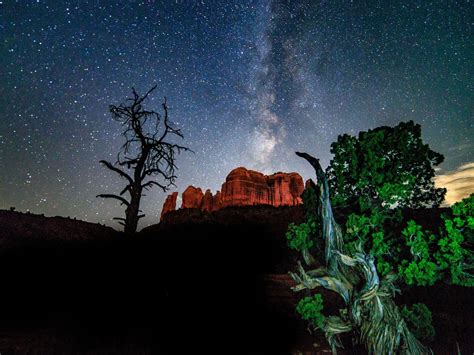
247, 187
206, 204
192, 197
287, 188
244, 187
209, 202
216, 201
170, 204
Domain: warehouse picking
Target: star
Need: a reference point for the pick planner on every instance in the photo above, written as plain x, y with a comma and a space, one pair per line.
248, 82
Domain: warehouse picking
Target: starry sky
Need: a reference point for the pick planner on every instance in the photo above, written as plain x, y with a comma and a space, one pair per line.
248, 82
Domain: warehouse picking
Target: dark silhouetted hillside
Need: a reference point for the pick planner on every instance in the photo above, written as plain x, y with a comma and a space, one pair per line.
17, 227
213, 283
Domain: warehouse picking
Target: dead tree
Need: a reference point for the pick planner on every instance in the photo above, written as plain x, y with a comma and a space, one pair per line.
147, 158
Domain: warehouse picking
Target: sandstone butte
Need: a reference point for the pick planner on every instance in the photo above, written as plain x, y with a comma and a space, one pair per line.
243, 187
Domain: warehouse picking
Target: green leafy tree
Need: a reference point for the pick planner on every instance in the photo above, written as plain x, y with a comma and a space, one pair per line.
384, 167
375, 177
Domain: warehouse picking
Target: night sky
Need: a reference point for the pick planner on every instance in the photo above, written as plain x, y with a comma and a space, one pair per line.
249, 82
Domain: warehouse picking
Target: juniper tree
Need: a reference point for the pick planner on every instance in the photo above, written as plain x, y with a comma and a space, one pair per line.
370, 312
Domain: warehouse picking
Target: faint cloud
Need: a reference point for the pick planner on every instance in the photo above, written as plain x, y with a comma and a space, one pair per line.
460, 151
461, 147
459, 183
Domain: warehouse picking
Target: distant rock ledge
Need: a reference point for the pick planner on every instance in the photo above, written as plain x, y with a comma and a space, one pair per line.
242, 187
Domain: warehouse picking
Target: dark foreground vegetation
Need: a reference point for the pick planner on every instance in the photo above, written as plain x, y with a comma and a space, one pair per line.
197, 283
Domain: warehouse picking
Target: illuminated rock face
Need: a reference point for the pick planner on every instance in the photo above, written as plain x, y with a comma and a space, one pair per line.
192, 197
211, 203
247, 187
170, 204
243, 187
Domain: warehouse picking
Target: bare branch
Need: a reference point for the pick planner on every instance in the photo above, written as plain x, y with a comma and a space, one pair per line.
127, 188
120, 198
158, 171
151, 183
139, 101
117, 170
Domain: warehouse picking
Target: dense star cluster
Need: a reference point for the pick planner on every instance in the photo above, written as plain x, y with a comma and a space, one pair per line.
248, 82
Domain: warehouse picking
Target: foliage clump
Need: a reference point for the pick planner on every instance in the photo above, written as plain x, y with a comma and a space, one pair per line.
446, 256
299, 235
421, 269
384, 167
419, 257
419, 320
454, 253
367, 232
310, 309
306, 236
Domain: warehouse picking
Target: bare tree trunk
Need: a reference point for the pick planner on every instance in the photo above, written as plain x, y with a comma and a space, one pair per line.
131, 213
